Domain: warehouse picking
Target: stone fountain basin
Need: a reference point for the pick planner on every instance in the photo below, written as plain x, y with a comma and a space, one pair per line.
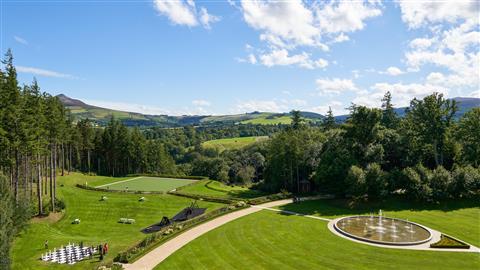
382, 230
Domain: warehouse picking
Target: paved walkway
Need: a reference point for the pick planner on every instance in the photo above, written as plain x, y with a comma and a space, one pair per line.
156, 256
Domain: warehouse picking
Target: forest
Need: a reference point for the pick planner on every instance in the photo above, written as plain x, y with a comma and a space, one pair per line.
426, 155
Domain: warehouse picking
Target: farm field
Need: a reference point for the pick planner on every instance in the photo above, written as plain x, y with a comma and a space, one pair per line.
233, 143
272, 240
144, 183
217, 189
284, 120
99, 221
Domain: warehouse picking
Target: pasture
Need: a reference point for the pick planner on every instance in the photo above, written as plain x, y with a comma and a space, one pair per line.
144, 183
99, 221
273, 240
233, 143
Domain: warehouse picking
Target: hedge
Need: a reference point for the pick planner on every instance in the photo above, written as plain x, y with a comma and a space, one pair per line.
449, 242
205, 197
118, 191
270, 198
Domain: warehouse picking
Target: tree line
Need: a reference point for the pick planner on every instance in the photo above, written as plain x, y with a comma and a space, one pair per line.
425, 155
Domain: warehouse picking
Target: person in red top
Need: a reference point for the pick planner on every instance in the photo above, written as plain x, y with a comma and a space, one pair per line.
105, 248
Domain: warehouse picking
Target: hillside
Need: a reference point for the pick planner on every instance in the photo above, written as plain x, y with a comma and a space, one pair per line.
81, 110
100, 115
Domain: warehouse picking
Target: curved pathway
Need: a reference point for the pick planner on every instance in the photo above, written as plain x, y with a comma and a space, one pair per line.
156, 256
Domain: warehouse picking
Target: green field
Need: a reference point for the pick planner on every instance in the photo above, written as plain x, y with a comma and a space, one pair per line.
271, 240
233, 143
144, 183
99, 221
284, 120
217, 189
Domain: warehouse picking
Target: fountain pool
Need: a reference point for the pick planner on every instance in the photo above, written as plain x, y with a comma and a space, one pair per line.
382, 230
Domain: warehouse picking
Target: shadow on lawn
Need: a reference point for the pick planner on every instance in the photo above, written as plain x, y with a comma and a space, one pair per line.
343, 207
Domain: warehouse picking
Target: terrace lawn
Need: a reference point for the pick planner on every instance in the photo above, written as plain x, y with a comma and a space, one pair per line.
144, 183
272, 240
218, 189
233, 143
458, 218
98, 221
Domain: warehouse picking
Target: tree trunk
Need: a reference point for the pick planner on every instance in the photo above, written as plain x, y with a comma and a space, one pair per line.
39, 186
63, 160
54, 176
17, 173
52, 196
88, 160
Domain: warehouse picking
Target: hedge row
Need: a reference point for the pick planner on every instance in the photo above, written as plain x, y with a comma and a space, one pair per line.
449, 242
154, 239
192, 177
118, 191
204, 197
270, 198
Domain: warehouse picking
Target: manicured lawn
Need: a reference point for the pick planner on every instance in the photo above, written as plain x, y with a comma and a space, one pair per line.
98, 222
233, 143
271, 240
144, 183
460, 218
218, 189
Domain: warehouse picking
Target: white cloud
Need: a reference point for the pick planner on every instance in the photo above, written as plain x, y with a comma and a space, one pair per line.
340, 38
393, 71
289, 21
421, 43
185, 13
20, 40
420, 13
206, 19
287, 25
337, 108
335, 86
345, 16
475, 94
201, 103
402, 93
281, 57
43, 72
258, 105
450, 48
252, 59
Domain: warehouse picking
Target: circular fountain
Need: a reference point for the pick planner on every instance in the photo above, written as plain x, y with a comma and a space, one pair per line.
383, 230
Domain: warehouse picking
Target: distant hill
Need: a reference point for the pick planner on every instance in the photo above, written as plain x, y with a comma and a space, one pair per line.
81, 110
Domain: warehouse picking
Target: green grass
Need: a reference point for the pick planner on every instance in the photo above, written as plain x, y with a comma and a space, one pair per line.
233, 143
144, 183
458, 218
98, 222
284, 120
218, 189
271, 240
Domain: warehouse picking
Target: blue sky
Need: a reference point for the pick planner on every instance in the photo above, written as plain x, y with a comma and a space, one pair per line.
223, 57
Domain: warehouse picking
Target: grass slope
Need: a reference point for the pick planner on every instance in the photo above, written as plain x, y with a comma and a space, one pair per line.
149, 184
271, 240
233, 143
217, 189
98, 222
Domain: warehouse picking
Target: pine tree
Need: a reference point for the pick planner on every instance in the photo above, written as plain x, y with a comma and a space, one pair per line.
329, 120
389, 116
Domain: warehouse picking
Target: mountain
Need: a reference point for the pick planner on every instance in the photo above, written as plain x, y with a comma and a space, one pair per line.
81, 110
